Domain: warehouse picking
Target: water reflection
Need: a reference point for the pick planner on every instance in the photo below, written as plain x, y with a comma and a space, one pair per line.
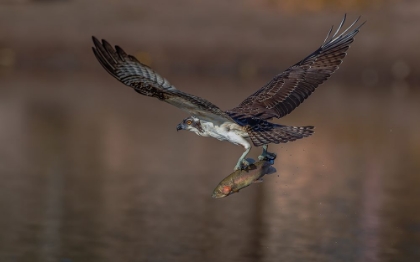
91, 172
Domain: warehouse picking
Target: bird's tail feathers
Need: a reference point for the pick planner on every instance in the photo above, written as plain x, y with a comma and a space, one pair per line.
279, 134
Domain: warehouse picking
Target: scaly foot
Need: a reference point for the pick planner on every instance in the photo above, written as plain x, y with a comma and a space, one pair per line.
267, 156
241, 165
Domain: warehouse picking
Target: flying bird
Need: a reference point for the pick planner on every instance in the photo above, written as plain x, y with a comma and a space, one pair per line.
249, 121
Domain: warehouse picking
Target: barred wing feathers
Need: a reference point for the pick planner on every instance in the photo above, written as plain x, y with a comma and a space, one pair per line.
129, 71
289, 89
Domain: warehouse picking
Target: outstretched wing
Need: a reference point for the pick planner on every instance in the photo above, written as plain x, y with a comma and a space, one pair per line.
289, 89
129, 71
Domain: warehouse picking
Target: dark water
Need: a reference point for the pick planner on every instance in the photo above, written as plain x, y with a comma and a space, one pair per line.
92, 171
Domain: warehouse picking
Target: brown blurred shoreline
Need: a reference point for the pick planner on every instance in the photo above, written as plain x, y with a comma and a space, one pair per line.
243, 42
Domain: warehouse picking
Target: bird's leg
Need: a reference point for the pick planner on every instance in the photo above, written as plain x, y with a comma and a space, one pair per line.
242, 163
266, 155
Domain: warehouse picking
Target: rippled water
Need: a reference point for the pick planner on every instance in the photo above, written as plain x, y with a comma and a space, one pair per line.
92, 171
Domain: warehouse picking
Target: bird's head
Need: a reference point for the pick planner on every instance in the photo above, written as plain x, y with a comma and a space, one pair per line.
191, 124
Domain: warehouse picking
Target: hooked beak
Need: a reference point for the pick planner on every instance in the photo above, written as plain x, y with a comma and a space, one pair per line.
179, 127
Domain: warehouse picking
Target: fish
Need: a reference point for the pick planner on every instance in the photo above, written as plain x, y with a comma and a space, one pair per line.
243, 178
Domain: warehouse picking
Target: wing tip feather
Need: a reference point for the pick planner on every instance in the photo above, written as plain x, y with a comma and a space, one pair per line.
334, 38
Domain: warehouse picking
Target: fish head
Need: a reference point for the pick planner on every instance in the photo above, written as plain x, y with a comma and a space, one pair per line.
222, 191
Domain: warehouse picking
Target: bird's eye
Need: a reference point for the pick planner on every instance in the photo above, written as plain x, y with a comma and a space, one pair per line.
189, 122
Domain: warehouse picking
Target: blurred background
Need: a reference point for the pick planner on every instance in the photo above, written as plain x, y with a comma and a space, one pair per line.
92, 171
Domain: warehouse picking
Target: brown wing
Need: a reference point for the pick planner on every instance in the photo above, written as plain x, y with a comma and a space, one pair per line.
129, 71
289, 89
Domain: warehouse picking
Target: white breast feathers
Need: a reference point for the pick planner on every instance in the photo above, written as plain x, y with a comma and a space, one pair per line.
226, 131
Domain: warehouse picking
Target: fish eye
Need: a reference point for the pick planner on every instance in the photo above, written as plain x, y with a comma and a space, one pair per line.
188, 122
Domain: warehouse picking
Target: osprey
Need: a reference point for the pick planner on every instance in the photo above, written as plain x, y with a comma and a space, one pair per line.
249, 120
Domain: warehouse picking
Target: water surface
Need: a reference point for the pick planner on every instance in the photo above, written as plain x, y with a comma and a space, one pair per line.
92, 171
